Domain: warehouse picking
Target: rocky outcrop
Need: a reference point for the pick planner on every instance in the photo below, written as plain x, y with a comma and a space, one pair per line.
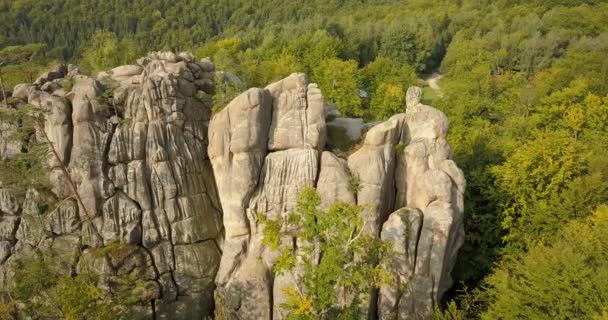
267, 144
134, 143
426, 231
145, 182
265, 148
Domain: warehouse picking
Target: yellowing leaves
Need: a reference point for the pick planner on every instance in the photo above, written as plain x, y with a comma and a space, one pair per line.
535, 171
300, 303
388, 99
565, 279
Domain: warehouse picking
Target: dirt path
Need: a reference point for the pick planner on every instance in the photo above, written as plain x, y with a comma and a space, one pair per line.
433, 81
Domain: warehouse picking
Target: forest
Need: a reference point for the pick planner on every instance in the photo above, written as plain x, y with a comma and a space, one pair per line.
525, 88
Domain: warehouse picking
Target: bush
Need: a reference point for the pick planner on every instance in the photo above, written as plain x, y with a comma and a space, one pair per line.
336, 256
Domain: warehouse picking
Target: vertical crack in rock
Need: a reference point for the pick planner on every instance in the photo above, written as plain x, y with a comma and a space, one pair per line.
106, 151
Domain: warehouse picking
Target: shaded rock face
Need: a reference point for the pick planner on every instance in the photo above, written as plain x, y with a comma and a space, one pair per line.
168, 193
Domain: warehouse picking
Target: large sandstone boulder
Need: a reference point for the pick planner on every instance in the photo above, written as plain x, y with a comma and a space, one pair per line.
430, 183
264, 147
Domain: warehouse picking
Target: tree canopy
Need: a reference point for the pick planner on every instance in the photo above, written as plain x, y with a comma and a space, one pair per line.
524, 87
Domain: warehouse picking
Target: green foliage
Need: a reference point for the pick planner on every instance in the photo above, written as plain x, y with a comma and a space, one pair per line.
222, 48
399, 44
17, 54
388, 99
340, 80
354, 184
429, 96
34, 274
524, 89
22, 64
311, 48
387, 82
525, 109
415, 41
79, 298
536, 171
114, 249
47, 293
28, 168
105, 51
335, 256
225, 90
278, 68
451, 312
43, 289
384, 70
567, 279
271, 234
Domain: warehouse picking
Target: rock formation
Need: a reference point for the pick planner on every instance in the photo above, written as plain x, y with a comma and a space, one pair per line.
146, 182
267, 144
134, 142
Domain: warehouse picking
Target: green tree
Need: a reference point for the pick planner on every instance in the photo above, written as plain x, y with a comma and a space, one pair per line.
340, 81
398, 43
312, 48
387, 100
566, 279
17, 54
22, 64
387, 82
105, 51
384, 70
225, 90
277, 68
48, 293
224, 53
537, 170
335, 261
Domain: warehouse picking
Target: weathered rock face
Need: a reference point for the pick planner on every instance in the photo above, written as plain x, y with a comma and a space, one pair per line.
267, 144
146, 183
426, 229
134, 142
265, 147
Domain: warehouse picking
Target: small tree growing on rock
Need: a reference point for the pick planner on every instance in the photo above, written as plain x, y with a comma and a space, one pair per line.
336, 264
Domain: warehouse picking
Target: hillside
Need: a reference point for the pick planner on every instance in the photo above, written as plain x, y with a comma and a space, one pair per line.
524, 87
